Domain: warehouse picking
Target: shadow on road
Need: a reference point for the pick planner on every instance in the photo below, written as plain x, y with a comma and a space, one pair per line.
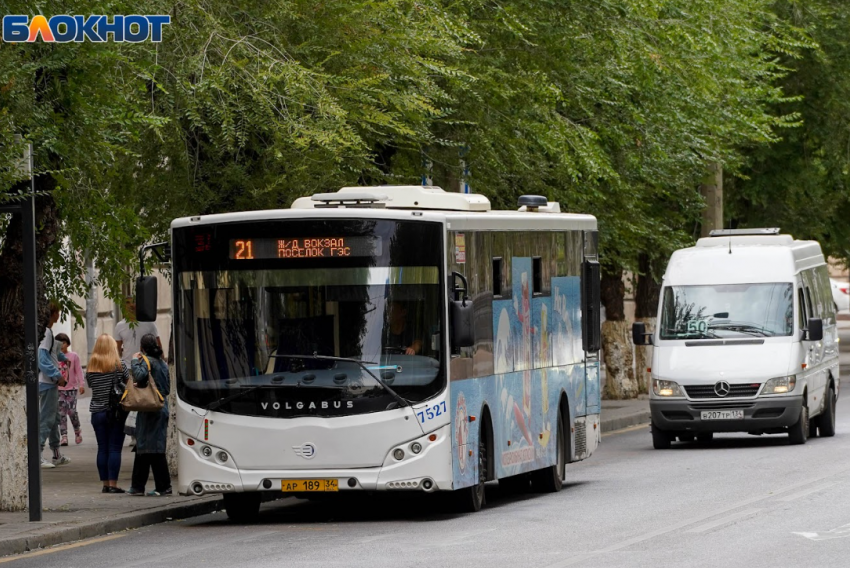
743, 441
362, 507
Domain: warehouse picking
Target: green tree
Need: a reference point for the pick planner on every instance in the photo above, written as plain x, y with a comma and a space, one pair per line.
801, 183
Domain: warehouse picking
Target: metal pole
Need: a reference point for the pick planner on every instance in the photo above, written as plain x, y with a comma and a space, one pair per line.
31, 346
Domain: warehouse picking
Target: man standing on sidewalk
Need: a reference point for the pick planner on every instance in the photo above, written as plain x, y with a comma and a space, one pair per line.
49, 379
129, 338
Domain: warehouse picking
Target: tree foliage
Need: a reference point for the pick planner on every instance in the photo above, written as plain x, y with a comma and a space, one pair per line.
801, 182
611, 107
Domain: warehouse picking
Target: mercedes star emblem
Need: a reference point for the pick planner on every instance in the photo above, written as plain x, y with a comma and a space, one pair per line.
722, 389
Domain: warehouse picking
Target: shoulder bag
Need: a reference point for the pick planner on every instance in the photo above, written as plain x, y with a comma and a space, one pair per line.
147, 399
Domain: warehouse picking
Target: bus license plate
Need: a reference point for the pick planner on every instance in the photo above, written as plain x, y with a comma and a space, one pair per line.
309, 485
722, 415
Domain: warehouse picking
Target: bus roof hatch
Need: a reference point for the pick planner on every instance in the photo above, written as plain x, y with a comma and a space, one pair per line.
396, 197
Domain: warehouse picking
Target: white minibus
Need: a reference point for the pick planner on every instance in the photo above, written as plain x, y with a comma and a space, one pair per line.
746, 340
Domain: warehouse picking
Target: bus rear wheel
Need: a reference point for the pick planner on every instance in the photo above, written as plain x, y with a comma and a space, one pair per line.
551, 479
242, 507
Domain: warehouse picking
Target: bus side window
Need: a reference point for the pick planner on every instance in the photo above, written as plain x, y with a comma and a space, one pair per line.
537, 276
497, 276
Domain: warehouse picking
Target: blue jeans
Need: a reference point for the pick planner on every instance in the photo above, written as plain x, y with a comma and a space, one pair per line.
48, 417
109, 432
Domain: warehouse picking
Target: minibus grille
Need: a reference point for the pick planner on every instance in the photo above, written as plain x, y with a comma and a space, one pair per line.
709, 391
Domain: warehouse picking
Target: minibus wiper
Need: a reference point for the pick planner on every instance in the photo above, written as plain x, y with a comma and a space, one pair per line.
743, 328
362, 364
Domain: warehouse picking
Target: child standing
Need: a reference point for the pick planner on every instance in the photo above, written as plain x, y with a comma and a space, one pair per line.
73, 373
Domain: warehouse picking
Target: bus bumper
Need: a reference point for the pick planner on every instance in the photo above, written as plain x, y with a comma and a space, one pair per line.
429, 470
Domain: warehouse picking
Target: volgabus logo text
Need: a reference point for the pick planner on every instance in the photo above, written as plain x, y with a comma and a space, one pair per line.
95, 28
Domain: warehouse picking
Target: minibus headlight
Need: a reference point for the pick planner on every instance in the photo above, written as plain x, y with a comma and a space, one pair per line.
780, 385
665, 388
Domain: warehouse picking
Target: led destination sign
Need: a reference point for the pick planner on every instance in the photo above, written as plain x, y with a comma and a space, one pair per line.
312, 247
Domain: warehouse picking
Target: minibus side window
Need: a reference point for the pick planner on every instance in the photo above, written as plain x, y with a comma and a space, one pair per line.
809, 304
803, 310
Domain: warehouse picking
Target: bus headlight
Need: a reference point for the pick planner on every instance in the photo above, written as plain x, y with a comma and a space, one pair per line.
665, 388
779, 385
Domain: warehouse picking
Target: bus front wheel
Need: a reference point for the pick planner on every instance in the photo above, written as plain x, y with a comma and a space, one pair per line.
242, 507
470, 499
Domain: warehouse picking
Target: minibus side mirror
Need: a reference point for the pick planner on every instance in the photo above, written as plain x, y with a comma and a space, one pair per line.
640, 335
813, 330
146, 298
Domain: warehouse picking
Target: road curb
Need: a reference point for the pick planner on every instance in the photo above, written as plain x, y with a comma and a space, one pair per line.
53, 535
612, 424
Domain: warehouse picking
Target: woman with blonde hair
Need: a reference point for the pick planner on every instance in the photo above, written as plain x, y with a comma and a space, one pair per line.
107, 377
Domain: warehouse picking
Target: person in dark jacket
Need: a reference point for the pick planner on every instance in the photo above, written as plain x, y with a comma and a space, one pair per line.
151, 427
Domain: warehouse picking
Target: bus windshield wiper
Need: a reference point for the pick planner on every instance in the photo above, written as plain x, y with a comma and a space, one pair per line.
743, 328
222, 401
362, 364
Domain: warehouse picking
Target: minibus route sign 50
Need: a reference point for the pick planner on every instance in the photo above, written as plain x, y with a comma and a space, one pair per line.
64, 28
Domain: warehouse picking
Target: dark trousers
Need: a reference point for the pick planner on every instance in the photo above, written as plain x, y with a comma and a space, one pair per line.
109, 432
142, 466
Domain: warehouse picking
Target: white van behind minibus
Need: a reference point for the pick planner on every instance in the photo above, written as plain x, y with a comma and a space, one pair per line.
746, 340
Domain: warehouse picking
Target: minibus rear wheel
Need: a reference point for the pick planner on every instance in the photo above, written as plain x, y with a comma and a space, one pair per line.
826, 421
660, 438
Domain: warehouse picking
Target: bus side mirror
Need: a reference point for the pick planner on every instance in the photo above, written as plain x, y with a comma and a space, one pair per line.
639, 334
461, 314
814, 329
146, 298
591, 307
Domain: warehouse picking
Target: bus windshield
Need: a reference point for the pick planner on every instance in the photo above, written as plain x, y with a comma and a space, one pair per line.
281, 337
727, 311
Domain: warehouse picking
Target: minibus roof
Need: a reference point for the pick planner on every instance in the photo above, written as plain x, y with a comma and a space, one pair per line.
742, 259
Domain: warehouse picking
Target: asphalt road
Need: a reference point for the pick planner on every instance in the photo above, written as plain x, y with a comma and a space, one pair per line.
741, 501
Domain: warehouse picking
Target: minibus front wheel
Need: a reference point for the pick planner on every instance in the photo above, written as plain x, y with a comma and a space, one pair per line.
661, 438
798, 433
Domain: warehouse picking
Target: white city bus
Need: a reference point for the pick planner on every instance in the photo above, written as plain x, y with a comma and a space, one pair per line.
383, 339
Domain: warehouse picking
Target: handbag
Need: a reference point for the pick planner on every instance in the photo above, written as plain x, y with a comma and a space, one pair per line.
145, 399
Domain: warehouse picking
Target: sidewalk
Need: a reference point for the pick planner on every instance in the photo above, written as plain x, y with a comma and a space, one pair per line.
75, 509
619, 414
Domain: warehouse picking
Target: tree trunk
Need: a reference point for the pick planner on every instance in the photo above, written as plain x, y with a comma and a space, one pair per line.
616, 343
13, 447
646, 307
13, 422
711, 190
91, 306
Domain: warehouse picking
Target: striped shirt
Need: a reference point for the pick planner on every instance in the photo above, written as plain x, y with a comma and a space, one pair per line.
102, 383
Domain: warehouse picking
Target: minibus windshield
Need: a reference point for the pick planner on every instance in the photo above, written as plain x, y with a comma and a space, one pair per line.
727, 311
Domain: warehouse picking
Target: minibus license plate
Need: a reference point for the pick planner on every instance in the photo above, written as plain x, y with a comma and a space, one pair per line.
309, 485
722, 415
